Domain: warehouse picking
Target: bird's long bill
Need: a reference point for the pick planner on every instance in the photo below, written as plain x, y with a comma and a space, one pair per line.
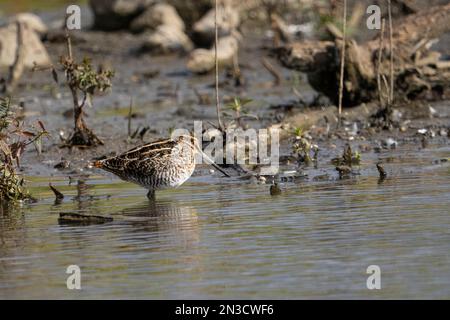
211, 162
219, 169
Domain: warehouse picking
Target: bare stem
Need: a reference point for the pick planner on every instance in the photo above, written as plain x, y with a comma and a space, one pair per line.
78, 109
130, 112
219, 121
380, 52
69, 45
341, 75
391, 57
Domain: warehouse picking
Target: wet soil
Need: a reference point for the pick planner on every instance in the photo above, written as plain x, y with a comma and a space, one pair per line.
166, 96
226, 238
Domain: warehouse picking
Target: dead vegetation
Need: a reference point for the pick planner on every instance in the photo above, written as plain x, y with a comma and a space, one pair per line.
14, 139
411, 65
348, 158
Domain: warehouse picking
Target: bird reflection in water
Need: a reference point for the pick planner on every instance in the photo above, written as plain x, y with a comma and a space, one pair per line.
168, 220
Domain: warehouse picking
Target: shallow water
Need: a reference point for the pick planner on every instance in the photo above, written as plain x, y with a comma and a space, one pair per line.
213, 237
222, 238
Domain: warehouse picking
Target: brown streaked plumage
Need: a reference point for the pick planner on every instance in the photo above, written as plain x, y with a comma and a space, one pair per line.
156, 165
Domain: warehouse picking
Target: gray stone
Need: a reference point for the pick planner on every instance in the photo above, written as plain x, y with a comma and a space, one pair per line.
117, 14
33, 49
202, 60
228, 20
31, 20
167, 38
155, 16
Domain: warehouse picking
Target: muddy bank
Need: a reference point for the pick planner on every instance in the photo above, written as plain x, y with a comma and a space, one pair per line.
166, 96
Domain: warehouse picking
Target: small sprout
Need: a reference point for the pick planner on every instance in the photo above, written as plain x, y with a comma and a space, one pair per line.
348, 158
298, 132
237, 106
356, 158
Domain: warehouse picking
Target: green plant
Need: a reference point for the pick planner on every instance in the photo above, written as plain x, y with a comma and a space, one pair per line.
348, 158
83, 80
239, 112
301, 149
302, 146
298, 132
14, 138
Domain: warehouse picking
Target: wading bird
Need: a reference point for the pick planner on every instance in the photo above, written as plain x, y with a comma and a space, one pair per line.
157, 165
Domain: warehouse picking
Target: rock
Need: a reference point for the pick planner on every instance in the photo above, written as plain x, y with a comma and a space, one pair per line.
117, 14
32, 21
34, 51
167, 38
202, 60
154, 16
191, 11
168, 35
389, 143
204, 31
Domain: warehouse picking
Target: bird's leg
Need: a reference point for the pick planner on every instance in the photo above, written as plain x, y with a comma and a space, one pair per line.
151, 195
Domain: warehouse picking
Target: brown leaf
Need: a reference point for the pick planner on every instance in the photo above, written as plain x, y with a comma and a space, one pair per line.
17, 149
5, 148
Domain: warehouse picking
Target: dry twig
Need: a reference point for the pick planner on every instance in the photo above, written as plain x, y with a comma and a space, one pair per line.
341, 75
380, 53
219, 121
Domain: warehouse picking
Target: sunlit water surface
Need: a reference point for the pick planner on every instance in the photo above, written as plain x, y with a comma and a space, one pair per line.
218, 238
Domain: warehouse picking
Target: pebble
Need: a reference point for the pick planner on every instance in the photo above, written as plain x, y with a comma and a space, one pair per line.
422, 131
390, 143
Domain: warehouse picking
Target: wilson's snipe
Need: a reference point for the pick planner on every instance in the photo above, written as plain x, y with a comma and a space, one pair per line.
157, 165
